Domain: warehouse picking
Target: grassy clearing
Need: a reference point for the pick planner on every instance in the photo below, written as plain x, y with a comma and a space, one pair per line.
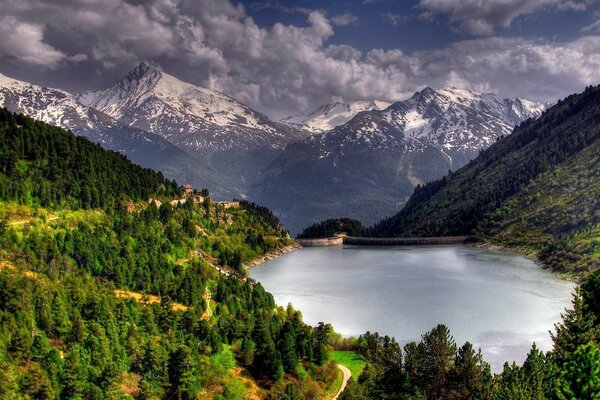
350, 359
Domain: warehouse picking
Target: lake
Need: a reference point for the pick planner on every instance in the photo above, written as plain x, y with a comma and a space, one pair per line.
501, 302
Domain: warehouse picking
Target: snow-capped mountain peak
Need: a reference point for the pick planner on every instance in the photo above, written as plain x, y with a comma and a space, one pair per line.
330, 115
457, 121
233, 137
148, 83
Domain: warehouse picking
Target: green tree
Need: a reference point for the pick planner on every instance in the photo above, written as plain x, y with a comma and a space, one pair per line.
470, 376
580, 377
438, 351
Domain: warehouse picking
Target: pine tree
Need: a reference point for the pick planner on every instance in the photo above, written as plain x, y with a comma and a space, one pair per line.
438, 350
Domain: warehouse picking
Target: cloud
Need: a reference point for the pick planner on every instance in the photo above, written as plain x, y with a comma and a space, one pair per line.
281, 69
25, 42
344, 19
483, 17
277, 6
594, 27
395, 19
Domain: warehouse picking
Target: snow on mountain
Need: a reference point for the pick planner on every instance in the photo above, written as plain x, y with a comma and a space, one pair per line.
455, 120
234, 139
53, 106
331, 115
187, 115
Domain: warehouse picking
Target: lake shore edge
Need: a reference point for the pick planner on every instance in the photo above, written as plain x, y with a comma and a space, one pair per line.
531, 255
272, 254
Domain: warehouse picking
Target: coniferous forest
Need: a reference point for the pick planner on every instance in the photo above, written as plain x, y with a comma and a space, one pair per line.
104, 296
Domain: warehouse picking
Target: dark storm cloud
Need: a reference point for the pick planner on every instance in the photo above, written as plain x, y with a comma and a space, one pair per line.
279, 69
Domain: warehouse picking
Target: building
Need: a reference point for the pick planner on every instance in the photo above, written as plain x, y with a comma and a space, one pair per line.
188, 189
154, 202
229, 204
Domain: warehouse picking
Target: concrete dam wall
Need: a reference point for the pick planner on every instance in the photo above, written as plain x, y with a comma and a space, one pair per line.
393, 241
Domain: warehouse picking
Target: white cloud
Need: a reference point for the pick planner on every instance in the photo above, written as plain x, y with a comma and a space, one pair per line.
25, 42
395, 19
594, 27
344, 19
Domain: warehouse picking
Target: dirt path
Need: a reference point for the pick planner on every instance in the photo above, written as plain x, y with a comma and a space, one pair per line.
345, 379
27, 221
208, 312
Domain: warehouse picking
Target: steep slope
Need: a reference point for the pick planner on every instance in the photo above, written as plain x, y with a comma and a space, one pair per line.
59, 108
234, 138
537, 189
367, 168
328, 116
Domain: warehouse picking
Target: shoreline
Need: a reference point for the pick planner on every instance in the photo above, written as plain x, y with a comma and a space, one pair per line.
483, 244
272, 254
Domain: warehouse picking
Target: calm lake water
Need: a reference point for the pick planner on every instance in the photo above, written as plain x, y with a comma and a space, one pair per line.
500, 302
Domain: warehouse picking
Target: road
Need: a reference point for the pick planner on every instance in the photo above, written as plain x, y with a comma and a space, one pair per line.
345, 379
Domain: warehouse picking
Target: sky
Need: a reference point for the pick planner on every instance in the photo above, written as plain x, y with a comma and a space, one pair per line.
288, 57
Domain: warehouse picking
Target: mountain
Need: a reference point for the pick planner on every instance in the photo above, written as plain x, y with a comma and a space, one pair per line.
59, 108
331, 115
367, 168
235, 139
537, 190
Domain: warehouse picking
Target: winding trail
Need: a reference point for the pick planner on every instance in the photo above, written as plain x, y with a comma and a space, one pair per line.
208, 312
347, 375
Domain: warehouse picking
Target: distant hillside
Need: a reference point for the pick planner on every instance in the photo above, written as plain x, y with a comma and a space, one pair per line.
44, 165
537, 189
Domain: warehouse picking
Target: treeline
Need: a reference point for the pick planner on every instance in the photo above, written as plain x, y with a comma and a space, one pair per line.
436, 369
49, 167
460, 201
331, 227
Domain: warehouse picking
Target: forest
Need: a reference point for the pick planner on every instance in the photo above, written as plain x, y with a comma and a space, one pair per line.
110, 297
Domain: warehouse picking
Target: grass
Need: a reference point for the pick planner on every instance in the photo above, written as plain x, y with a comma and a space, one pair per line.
352, 360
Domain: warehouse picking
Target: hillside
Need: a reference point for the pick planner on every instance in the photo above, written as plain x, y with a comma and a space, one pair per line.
536, 189
106, 295
367, 168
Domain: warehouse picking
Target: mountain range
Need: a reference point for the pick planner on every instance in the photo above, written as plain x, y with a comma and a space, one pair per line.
305, 168
368, 167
